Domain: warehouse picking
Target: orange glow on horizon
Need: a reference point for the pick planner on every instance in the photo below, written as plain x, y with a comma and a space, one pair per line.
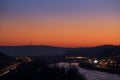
61, 31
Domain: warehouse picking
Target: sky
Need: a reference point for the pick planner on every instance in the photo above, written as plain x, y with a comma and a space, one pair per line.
65, 23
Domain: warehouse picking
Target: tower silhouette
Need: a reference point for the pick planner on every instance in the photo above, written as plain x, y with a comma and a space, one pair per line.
30, 43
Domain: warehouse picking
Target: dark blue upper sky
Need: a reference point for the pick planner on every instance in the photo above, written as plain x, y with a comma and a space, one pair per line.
22, 7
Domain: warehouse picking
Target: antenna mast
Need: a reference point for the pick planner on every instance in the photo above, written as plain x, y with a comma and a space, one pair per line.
30, 43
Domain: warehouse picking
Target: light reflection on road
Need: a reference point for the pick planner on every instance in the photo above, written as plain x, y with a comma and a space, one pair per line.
9, 68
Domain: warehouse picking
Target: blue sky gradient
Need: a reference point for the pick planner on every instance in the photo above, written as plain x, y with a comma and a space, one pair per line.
32, 7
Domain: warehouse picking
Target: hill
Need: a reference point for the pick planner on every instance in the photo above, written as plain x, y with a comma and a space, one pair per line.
33, 50
99, 51
5, 60
4, 57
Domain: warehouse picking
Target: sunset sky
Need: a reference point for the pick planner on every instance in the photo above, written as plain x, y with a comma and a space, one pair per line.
66, 23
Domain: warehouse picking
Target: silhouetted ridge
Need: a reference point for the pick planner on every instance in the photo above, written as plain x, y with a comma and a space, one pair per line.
4, 57
99, 51
33, 50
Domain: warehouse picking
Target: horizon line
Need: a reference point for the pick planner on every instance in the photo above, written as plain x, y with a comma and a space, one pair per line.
62, 46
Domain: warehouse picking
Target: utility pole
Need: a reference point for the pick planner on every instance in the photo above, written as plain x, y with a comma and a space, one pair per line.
29, 47
117, 49
30, 43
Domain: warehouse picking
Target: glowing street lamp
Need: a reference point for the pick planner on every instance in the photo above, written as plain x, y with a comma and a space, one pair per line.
95, 61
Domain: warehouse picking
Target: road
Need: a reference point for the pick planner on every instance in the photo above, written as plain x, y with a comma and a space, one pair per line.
9, 68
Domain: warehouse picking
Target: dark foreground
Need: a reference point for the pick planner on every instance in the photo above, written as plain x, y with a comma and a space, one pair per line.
40, 70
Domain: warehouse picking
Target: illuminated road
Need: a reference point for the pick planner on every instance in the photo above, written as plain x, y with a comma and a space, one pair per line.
9, 68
